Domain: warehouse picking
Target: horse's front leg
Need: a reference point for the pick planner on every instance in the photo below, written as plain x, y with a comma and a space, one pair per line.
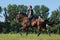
48, 30
26, 28
39, 28
21, 29
32, 26
27, 31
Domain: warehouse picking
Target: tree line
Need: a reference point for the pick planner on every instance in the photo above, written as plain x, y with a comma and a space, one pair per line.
10, 25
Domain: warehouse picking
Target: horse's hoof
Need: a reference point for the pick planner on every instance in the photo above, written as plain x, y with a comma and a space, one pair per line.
20, 34
38, 35
26, 34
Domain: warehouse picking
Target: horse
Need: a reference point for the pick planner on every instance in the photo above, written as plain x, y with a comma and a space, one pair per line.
39, 23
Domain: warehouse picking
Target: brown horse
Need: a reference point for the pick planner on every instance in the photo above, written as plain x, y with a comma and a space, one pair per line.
23, 18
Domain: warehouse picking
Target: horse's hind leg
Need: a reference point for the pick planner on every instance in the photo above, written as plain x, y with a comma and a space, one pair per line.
26, 31
21, 29
32, 29
39, 32
48, 31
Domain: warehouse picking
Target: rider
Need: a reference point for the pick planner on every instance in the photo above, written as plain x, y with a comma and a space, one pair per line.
30, 13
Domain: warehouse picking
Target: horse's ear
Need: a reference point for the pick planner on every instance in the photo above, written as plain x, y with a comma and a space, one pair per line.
46, 19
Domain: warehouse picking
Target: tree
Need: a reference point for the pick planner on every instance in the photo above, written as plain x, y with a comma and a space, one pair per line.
56, 17
44, 11
22, 8
0, 9
12, 10
59, 14
5, 14
6, 23
37, 9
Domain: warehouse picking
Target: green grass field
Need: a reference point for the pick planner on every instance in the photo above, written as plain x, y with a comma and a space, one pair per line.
29, 37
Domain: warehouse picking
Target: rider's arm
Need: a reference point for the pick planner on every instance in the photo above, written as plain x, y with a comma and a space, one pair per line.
27, 12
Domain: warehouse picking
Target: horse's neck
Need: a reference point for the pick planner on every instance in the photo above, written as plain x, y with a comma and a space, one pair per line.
24, 18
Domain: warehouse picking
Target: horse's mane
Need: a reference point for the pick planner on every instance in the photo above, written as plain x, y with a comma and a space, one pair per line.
24, 14
36, 17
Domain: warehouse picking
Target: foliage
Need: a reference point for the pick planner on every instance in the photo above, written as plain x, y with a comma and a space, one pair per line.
44, 12
37, 9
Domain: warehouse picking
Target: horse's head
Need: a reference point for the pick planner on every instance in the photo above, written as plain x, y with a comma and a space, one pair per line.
20, 16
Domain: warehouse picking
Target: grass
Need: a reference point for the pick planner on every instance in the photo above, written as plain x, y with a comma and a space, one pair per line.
29, 37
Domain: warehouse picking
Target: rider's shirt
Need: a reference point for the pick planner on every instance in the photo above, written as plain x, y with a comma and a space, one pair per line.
39, 17
28, 11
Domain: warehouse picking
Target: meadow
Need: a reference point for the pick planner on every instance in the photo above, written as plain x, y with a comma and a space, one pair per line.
29, 37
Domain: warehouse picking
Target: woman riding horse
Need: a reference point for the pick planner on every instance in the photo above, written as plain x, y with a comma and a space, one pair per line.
30, 13
23, 18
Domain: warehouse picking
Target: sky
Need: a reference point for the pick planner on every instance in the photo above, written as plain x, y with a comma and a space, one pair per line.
51, 4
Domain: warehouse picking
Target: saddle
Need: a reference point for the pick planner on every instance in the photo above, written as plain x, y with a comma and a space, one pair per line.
30, 18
